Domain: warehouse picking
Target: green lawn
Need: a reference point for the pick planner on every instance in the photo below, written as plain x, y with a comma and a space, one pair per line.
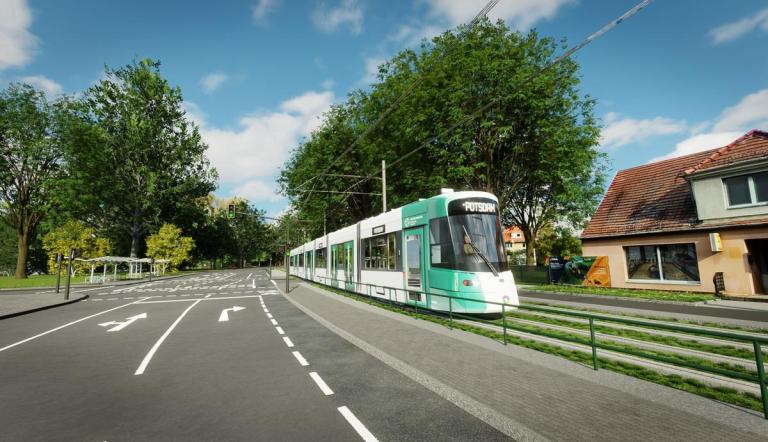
658, 295
9, 282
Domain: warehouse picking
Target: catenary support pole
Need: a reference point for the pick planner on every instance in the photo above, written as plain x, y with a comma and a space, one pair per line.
383, 186
287, 256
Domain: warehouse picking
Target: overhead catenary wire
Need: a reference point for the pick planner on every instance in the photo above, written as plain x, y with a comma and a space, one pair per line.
634, 10
482, 13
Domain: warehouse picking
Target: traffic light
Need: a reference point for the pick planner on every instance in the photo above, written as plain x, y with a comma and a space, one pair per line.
231, 211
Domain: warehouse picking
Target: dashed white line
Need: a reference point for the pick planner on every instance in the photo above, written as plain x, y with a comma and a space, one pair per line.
273, 322
321, 383
269, 315
357, 425
280, 330
300, 358
288, 341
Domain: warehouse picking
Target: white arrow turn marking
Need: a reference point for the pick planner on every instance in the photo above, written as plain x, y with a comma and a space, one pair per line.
225, 313
121, 325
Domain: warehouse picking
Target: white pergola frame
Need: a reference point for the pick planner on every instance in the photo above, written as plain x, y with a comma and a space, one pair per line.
135, 267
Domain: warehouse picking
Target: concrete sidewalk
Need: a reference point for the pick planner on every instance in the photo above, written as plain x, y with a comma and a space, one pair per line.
526, 394
18, 304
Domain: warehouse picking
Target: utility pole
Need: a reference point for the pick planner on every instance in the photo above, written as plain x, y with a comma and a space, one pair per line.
383, 186
59, 258
69, 272
287, 255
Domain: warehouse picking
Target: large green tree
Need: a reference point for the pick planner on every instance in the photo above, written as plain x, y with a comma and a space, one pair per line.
508, 123
142, 161
30, 160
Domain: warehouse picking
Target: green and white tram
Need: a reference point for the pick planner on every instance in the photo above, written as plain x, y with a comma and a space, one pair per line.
449, 245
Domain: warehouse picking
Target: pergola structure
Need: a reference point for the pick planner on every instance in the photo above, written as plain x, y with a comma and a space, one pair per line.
135, 266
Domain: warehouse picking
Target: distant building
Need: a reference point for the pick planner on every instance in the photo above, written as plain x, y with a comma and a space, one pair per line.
513, 239
675, 224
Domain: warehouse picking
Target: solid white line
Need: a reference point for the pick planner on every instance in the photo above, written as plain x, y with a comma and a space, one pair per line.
273, 322
288, 341
269, 315
357, 425
280, 330
148, 357
321, 383
66, 325
301, 359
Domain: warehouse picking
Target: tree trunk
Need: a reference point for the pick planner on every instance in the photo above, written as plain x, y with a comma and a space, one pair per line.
21, 259
135, 243
530, 247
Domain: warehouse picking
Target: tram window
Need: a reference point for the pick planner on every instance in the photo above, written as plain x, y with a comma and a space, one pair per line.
320, 258
440, 245
380, 252
366, 246
391, 251
301, 260
339, 256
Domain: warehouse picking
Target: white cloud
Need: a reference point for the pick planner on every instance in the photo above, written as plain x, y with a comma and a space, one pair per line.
412, 35
751, 112
348, 12
258, 190
213, 81
620, 131
17, 44
261, 9
739, 28
41, 82
372, 69
520, 14
262, 142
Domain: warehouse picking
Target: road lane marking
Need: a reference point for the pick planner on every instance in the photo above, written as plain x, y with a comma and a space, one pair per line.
200, 299
224, 317
67, 325
273, 322
288, 341
321, 383
280, 330
357, 425
300, 358
269, 315
148, 357
121, 325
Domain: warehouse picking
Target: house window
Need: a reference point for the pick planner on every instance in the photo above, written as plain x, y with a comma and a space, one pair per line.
670, 262
745, 190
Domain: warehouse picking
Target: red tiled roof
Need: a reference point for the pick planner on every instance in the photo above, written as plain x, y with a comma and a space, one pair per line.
751, 146
656, 197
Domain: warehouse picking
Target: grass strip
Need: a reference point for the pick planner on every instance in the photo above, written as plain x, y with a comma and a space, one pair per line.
723, 394
658, 295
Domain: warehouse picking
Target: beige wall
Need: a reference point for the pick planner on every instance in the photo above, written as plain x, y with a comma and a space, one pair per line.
732, 261
711, 201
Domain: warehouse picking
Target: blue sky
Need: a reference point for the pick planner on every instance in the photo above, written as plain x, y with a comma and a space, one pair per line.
680, 76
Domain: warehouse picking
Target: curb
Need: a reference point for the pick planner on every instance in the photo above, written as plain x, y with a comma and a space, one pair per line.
45, 307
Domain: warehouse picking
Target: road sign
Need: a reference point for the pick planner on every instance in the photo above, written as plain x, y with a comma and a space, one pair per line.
121, 325
225, 313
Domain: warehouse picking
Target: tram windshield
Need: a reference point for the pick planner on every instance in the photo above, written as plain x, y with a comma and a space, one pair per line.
471, 242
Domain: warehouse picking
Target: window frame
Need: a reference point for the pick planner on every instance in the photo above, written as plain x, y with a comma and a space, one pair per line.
371, 261
659, 262
750, 186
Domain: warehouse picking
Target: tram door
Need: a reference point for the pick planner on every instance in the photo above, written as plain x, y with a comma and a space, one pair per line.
414, 266
334, 264
349, 266
308, 259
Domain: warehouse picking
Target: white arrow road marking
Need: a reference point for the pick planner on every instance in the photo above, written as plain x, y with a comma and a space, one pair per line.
225, 316
121, 325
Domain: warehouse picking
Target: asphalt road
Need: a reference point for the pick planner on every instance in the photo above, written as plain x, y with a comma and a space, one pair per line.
213, 356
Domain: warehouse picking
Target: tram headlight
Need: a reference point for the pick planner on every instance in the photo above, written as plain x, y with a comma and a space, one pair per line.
467, 283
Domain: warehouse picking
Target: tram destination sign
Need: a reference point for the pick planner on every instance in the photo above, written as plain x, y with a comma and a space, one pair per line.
473, 206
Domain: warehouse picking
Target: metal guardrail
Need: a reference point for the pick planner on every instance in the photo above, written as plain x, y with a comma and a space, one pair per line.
757, 341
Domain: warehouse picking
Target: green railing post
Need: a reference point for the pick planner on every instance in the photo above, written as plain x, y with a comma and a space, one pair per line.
504, 322
761, 376
450, 312
592, 342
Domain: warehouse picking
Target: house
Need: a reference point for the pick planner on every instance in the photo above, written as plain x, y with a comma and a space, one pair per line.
513, 239
678, 224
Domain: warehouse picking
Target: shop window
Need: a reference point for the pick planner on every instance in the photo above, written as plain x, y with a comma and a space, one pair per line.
669, 262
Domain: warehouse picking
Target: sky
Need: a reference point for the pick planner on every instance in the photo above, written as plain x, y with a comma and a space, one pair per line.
257, 75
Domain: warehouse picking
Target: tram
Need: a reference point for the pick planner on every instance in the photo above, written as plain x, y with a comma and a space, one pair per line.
442, 253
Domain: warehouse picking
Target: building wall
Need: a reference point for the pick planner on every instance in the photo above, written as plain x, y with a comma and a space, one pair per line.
732, 261
712, 201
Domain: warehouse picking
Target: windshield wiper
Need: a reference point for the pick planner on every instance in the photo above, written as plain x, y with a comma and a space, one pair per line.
478, 252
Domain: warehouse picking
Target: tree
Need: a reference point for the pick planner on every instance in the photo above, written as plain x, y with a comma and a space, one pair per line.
168, 243
249, 232
74, 235
558, 241
145, 156
532, 138
30, 157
